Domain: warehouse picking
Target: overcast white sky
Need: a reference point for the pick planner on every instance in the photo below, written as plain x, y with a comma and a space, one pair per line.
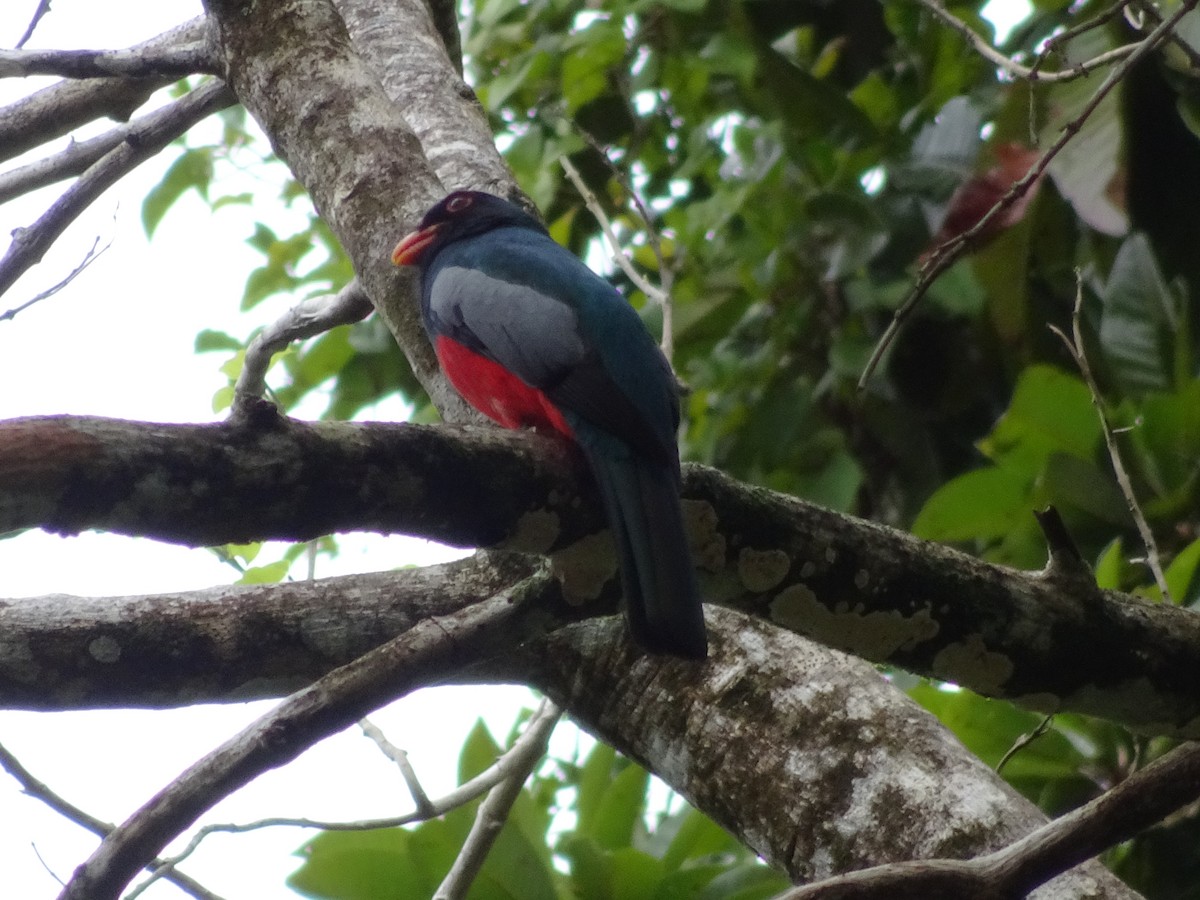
118, 342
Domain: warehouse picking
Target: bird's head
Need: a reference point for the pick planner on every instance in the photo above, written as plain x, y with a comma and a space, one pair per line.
459, 215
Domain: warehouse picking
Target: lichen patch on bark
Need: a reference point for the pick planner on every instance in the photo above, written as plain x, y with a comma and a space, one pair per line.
762, 570
706, 542
585, 567
536, 532
873, 635
986, 670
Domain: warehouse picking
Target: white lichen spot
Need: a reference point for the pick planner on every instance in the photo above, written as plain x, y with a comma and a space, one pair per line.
762, 570
861, 579
972, 664
706, 543
105, 649
585, 567
872, 635
536, 532
808, 569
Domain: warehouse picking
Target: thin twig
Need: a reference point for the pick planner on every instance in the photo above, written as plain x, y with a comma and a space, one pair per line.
39, 790
400, 758
618, 255
472, 789
159, 129
949, 252
1150, 12
175, 62
528, 750
666, 272
1075, 347
1051, 44
1024, 741
310, 317
88, 258
43, 7
1016, 69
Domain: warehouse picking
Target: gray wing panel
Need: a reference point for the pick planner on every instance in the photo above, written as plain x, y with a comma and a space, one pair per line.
531, 334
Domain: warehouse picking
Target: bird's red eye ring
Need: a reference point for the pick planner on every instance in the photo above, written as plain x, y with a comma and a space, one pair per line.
458, 204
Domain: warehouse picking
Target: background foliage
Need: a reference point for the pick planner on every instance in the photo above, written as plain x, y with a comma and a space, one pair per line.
796, 160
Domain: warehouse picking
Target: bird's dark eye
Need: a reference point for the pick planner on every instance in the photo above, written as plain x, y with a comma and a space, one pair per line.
458, 204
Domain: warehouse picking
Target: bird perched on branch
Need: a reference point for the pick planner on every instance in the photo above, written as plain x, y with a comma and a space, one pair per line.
533, 338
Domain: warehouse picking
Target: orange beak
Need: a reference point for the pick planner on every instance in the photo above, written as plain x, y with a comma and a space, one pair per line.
408, 251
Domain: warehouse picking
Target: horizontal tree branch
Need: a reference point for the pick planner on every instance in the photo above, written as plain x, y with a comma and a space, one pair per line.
1050, 641
175, 61
79, 155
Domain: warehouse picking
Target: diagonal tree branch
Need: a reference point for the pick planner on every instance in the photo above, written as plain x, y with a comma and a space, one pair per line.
60, 108
143, 141
421, 656
41, 791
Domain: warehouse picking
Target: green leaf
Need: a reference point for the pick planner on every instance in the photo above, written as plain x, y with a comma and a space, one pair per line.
620, 811
990, 728
272, 573
193, 169
366, 865
1137, 320
1181, 575
1049, 412
593, 783
209, 340
698, 837
1110, 566
979, 505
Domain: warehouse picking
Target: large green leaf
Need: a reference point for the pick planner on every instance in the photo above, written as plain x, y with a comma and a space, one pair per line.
1138, 319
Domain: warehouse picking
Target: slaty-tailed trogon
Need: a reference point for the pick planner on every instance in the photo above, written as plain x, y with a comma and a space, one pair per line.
533, 338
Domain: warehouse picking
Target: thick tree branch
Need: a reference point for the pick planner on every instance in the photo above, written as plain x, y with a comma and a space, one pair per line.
176, 61
1140, 801
60, 108
735, 734
871, 590
405, 49
808, 755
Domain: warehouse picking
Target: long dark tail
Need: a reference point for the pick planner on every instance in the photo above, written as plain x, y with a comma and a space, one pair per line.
641, 498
